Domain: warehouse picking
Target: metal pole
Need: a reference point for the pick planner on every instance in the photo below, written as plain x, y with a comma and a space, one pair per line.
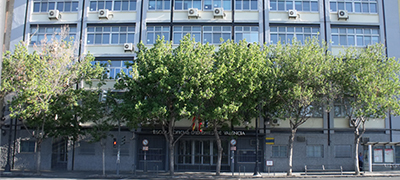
233, 162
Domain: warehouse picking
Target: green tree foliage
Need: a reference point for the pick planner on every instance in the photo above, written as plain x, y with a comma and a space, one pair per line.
230, 93
369, 87
301, 71
163, 83
44, 83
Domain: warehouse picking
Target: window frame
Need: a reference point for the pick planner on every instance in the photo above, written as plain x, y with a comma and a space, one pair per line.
22, 146
36, 32
250, 5
113, 5
282, 151
253, 30
113, 71
163, 4
312, 153
275, 7
162, 32
73, 4
312, 33
129, 32
355, 32
353, 6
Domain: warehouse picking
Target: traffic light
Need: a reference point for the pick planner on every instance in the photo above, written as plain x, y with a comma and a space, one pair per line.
115, 143
103, 96
123, 140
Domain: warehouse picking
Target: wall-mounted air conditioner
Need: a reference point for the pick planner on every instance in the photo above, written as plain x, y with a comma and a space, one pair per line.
292, 13
342, 14
275, 122
128, 47
219, 12
193, 12
54, 14
103, 13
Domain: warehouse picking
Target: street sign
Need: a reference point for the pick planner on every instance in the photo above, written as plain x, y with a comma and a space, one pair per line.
145, 142
145, 148
270, 163
233, 148
233, 142
269, 140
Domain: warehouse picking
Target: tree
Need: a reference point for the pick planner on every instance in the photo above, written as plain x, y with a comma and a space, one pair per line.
370, 88
43, 78
300, 83
162, 86
229, 95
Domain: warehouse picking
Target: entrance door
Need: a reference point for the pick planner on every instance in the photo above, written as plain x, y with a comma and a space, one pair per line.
59, 157
200, 155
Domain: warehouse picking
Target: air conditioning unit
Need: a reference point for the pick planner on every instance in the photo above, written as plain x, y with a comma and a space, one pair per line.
53, 14
219, 12
193, 12
103, 13
292, 13
342, 14
275, 122
128, 46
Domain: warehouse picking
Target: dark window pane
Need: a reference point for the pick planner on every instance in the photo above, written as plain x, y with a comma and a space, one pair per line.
132, 5
125, 5
44, 7
314, 6
238, 5
333, 6
74, 6
152, 4
106, 38
109, 5
178, 5
67, 6
93, 5
167, 5
97, 38
52, 5
114, 38
131, 37
122, 38
36, 7
306, 5
117, 5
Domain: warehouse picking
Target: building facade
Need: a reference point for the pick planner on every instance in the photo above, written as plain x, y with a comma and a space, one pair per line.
110, 29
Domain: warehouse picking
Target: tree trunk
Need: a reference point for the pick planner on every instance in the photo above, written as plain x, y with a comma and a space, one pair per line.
291, 141
171, 148
38, 154
356, 142
218, 170
103, 146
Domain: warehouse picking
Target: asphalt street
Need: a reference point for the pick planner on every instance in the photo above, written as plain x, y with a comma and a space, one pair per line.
216, 178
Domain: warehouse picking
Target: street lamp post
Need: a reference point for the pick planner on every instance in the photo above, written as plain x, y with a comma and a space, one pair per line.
7, 168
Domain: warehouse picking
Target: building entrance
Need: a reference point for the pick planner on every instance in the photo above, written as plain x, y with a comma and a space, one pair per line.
201, 155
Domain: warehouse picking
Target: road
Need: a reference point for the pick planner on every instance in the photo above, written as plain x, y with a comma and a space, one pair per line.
302, 178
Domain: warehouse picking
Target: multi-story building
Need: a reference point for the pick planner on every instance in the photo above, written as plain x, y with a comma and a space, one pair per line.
110, 29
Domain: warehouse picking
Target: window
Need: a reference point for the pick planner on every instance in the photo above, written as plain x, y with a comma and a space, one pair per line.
159, 5
211, 4
61, 5
155, 32
354, 36
279, 151
341, 108
39, 33
248, 155
248, 33
358, 6
110, 34
286, 34
86, 148
115, 67
246, 5
343, 151
181, 31
213, 34
27, 146
186, 4
314, 151
299, 5
113, 5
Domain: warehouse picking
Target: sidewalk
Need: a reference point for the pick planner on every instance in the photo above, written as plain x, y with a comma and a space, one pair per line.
182, 175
